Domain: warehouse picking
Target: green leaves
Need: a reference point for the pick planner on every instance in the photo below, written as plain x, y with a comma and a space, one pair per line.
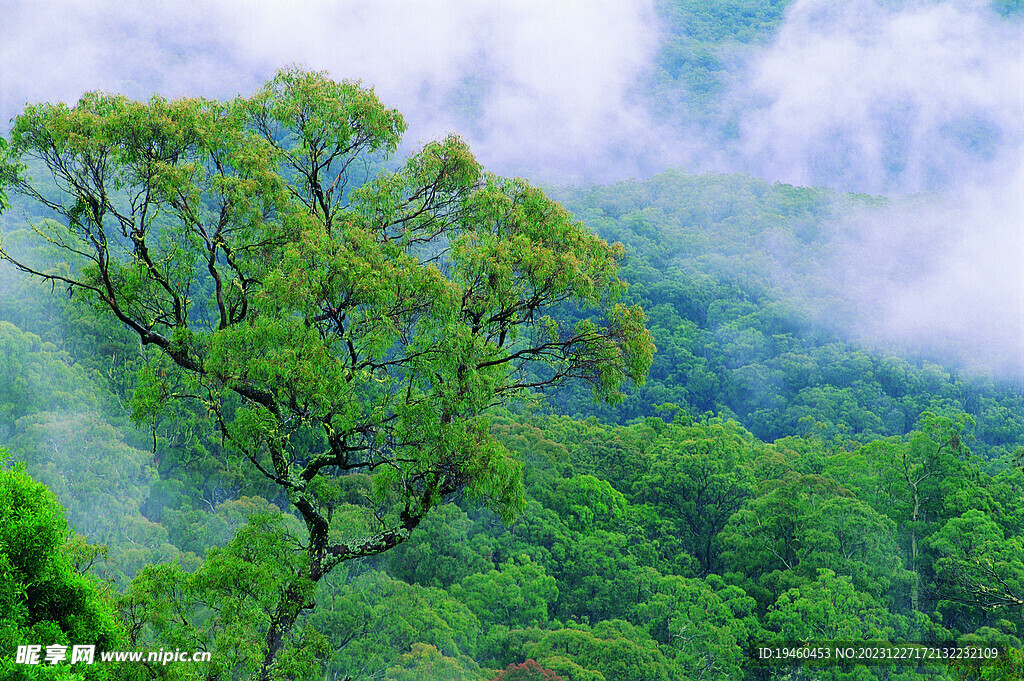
808, 523
424, 661
45, 600
320, 127
976, 566
4, 202
517, 595
828, 609
334, 319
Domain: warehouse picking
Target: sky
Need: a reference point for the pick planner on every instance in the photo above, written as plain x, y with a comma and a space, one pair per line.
893, 97
536, 86
879, 96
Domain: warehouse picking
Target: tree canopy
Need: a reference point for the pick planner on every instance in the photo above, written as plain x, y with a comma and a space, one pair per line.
311, 332
338, 319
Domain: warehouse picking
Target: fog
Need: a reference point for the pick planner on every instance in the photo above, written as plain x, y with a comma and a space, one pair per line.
898, 98
867, 95
937, 275
878, 96
540, 88
864, 97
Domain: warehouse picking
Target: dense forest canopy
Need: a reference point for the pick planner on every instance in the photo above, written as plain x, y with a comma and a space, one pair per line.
277, 388
338, 328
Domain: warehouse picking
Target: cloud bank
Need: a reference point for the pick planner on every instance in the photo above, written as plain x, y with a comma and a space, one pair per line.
545, 88
879, 96
901, 98
884, 97
865, 95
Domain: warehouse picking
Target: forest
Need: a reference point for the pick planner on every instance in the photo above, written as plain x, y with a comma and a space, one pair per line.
277, 395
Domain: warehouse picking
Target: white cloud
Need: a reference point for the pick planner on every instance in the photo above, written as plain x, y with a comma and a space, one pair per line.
895, 98
874, 97
552, 80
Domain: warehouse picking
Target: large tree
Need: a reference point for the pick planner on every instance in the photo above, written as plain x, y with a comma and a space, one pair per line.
336, 318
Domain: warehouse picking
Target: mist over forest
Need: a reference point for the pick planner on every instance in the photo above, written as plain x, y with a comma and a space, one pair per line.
882, 98
821, 211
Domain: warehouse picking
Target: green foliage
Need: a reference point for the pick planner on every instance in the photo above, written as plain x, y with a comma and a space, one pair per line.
516, 595
371, 620
808, 523
425, 662
446, 549
45, 600
227, 602
421, 340
586, 503
744, 317
316, 345
332, 317
976, 565
699, 479
828, 609
707, 623
36, 377
613, 649
697, 61
101, 481
4, 204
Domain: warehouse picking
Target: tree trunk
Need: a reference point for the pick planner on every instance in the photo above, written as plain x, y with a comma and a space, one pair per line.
915, 587
293, 601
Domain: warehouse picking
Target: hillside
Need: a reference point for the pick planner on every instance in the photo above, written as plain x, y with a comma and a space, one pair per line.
275, 392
